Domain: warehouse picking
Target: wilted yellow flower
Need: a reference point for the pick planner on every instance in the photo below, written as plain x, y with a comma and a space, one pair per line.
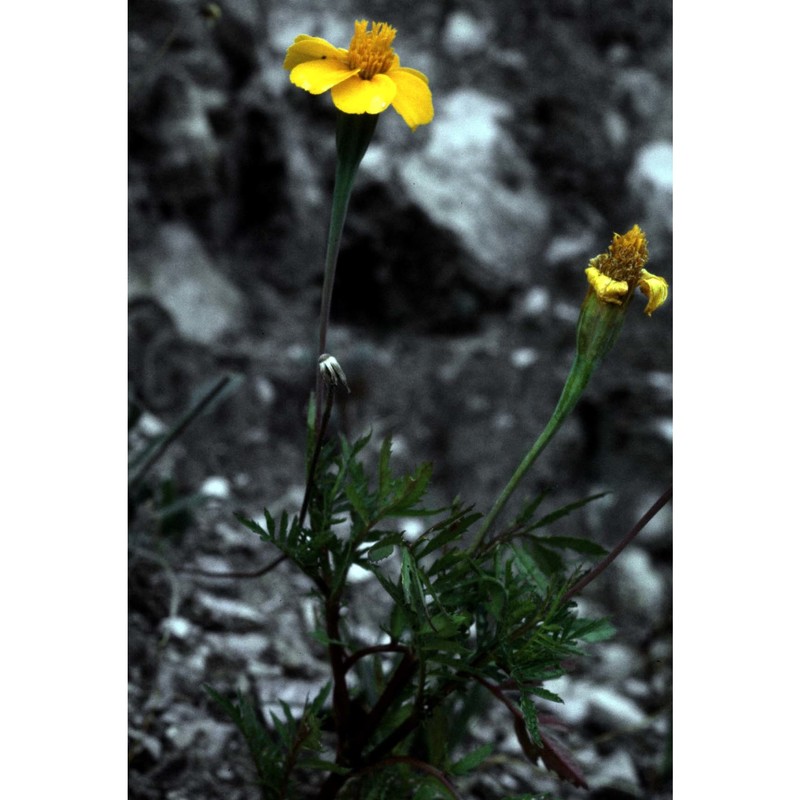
615, 274
366, 78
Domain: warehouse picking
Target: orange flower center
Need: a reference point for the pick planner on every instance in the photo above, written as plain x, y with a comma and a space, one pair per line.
371, 52
625, 258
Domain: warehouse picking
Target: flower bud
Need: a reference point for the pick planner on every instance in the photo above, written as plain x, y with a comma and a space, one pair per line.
331, 371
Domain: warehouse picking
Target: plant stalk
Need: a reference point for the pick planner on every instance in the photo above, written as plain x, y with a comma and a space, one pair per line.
581, 371
353, 135
627, 539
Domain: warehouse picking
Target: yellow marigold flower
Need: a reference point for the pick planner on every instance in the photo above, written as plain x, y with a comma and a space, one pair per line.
614, 275
366, 78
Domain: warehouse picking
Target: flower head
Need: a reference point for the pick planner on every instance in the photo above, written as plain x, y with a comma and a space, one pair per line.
614, 275
366, 78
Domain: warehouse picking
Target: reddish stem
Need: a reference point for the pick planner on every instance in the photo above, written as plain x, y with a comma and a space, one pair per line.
599, 568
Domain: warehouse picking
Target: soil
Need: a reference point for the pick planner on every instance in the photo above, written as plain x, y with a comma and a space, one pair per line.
457, 346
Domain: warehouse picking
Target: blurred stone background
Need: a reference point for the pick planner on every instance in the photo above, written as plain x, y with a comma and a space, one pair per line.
459, 284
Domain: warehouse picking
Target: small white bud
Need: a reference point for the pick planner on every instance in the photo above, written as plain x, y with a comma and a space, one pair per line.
331, 371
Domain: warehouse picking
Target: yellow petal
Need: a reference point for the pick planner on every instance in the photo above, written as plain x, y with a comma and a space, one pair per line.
320, 75
309, 48
357, 96
421, 75
607, 289
413, 101
656, 290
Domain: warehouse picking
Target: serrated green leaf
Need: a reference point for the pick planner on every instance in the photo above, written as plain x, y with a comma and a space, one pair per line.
349, 452
383, 538
384, 472
530, 509
549, 561
576, 543
545, 694
450, 624
430, 788
398, 623
472, 760
498, 596
357, 502
287, 711
564, 510
227, 706
598, 630
529, 568
319, 635
436, 729
263, 749
531, 718
541, 674
181, 504
453, 531
410, 582
280, 728
380, 551
416, 485
251, 525
458, 665
436, 643
446, 562
319, 701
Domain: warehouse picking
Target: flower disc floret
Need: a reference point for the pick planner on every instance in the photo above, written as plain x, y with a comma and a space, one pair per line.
365, 78
371, 51
614, 275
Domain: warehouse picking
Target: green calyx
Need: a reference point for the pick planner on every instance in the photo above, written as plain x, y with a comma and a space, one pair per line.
599, 326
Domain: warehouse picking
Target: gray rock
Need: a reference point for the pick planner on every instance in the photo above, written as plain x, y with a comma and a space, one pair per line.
216, 487
238, 648
576, 694
638, 586
650, 182
648, 97
659, 530
185, 727
570, 252
534, 305
179, 627
179, 272
614, 711
464, 34
616, 662
523, 357
617, 770
492, 205
224, 611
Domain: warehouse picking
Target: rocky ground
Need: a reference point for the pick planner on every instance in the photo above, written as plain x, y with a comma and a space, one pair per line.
460, 279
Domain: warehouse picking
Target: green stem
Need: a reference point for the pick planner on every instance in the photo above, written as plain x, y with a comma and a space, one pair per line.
577, 380
312, 468
353, 135
599, 326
